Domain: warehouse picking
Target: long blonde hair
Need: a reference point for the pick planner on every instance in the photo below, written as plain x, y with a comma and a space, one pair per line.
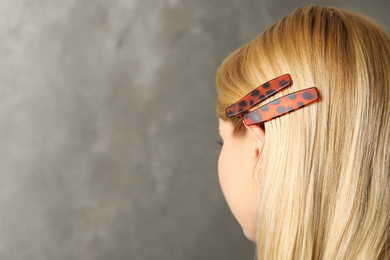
325, 190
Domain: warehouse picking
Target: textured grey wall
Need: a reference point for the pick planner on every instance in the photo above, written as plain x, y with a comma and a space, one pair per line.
107, 125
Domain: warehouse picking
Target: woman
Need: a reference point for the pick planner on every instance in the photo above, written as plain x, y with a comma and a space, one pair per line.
314, 181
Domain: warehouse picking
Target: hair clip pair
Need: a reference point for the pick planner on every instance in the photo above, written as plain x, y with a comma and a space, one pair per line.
275, 108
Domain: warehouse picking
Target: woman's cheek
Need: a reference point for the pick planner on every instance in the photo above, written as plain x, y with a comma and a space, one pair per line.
221, 171
226, 179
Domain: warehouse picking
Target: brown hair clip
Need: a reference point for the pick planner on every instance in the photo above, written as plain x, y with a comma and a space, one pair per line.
275, 108
282, 106
259, 94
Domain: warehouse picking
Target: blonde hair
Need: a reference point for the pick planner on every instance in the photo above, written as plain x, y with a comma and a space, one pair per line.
325, 191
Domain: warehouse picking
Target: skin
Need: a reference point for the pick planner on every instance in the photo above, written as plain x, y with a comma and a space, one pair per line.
239, 182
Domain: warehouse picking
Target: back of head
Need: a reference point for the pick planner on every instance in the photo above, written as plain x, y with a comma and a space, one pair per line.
325, 190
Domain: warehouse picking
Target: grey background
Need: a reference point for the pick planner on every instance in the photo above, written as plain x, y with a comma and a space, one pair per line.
107, 125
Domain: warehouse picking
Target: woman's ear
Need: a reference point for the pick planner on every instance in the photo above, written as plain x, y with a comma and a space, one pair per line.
258, 134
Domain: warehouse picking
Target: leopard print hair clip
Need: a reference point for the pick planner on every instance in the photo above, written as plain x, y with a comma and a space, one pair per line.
275, 108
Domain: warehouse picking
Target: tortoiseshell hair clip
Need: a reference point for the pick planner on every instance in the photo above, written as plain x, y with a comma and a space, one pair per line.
275, 108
